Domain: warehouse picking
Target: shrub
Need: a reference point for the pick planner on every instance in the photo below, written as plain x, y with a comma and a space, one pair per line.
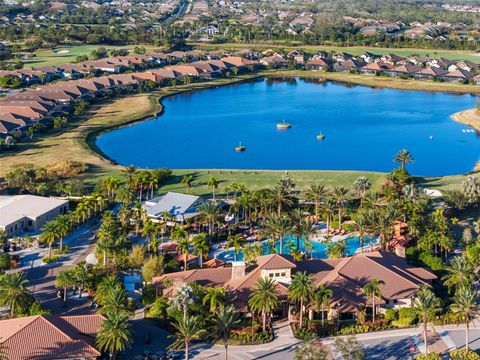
433, 262
449, 318
159, 309
50, 260
148, 294
464, 355
391, 315
404, 313
431, 356
5, 263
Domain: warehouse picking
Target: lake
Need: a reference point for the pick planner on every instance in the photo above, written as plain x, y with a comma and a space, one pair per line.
364, 127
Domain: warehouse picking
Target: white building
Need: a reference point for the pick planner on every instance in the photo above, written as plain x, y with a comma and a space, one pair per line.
20, 213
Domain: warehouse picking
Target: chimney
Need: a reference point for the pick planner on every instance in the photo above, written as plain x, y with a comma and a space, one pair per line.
238, 270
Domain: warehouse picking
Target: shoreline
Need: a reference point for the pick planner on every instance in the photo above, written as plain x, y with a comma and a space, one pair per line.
106, 166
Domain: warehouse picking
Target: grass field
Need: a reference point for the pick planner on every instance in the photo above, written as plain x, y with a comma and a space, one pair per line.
65, 54
77, 140
354, 50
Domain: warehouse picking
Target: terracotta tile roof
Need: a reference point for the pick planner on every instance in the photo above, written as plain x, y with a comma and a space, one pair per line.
190, 257
214, 263
407, 69
275, 261
237, 61
50, 337
433, 71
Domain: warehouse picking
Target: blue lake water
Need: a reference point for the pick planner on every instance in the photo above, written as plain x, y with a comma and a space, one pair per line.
364, 128
319, 249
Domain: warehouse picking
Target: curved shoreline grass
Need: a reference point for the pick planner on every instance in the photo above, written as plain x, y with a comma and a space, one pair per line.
112, 114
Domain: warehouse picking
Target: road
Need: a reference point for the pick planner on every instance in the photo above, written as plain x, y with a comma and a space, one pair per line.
42, 276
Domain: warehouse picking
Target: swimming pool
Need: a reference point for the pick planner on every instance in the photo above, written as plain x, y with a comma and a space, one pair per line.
319, 248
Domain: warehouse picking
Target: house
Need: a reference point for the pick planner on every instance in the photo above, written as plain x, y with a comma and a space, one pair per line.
180, 206
210, 30
44, 337
369, 57
318, 64
430, 73
403, 70
375, 68
20, 213
237, 61
392, 59
350, 65
346, 277
457, 76
275, 61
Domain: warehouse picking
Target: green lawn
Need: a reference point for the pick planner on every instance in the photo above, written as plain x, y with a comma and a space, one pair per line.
356, 50
64, 54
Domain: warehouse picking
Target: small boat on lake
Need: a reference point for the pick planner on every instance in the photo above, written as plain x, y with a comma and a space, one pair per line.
240, 148
283, 125
320, 136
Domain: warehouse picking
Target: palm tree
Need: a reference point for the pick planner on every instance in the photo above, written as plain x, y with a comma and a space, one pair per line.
13, 293
215, 297
329, 207
372, 290
403, 157
465, 303
361, 186
114, 334
340, 194
383, 221
212, 214
426, 305
213, 183
129, 172
264, 299
183, 298
280, 197
184, 246
223, 322
187, 330
321, 298
362, 223
301, 290
116, 302
460, 273
104, 288
50, 233
235, 241
316, 193
65, 279
187, 181
277, 226
200, 246
302, 230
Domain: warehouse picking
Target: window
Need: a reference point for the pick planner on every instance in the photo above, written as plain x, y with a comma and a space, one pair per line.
277, 274
30, 223
283, 274
270, 275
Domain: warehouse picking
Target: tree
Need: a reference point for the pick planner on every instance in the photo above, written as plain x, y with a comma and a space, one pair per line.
115, 334
277, 226
13, 293
213, 183
372, 290
104, 287
212, 214
465, 303
310, 350
50, 233
116, 302
362, 223
183, 298
471, 189
340, 194
136, 257
301, 290
186, 331
184, 246
215, 297
65, 279
460, 273
223, 322
426, 305
321, 298
235, 241
200, 246
154, 266
316, 193
187, 181
264, 299
403, 157
361, 186
350, 348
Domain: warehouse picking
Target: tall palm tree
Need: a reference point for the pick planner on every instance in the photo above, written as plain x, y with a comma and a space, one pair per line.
186, 331
280, 197
340, 194
372, 290
302, 230
129, 172
13, 293
235, 241
460, 273
215, 297
301, 290
212, 214
426, 305
329, 207
65, 279
187, 181
213, 183
184, 246
362, 224
223, 322
200, 246
316, 193
104, 287
465, 303
50, 233
116, 302
183, 298
383, 223
403, 157
361, 186
278, 226
264, 299
64, 225
321, 298
114, 335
